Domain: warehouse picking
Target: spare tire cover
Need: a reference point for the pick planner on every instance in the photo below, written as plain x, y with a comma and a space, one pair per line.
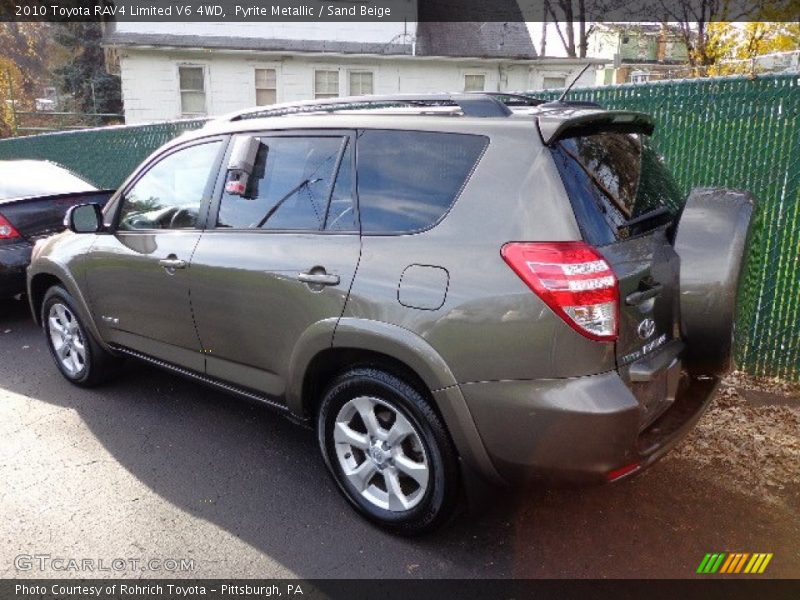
711, 241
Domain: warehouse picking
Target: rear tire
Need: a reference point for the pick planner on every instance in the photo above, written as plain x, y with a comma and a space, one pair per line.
388, 451
77, 354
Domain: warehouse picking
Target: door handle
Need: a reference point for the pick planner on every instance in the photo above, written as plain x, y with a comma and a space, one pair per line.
318, 278
170, 264
640, 296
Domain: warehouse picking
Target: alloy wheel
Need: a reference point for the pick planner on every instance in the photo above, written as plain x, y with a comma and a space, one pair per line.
381, 454
67, 339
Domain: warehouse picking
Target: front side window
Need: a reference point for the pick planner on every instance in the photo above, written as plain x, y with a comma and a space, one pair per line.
193, 90
291, 187
170, 193
266, 87
360, 83
407, 180
326, 84
474, 83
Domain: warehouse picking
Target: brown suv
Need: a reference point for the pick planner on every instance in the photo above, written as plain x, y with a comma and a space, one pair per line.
452, 292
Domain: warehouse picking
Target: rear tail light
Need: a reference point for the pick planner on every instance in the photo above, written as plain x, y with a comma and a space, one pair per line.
574, 280
7, 231
622, 472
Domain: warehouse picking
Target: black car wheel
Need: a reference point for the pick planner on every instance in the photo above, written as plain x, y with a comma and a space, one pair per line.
76, 353
388, 451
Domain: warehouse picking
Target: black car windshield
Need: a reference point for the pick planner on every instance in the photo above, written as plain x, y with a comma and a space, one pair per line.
32, 178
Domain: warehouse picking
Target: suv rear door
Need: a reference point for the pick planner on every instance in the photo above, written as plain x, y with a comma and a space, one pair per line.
625, 202
278, 259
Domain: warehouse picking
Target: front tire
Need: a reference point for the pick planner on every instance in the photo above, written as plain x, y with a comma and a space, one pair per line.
77, 354
388, 451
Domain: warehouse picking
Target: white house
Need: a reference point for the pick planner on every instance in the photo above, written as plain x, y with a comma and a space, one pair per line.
173, 70
638, 52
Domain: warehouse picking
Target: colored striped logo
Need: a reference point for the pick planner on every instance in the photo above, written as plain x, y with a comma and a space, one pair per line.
734, 562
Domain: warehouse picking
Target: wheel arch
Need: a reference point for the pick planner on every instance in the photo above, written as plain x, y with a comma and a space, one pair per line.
42, 278
330, 346
357, 342
37, 288
329, 363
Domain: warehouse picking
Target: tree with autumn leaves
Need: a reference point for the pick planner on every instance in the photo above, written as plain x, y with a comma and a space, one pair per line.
23, 67
712, 30
68, 56
718, 30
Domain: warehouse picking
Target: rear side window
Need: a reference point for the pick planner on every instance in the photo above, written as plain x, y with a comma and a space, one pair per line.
291, 187
618, 185
407, 180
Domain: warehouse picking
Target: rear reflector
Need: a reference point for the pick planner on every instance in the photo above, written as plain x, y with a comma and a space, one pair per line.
622, 472
7, 231
574, 280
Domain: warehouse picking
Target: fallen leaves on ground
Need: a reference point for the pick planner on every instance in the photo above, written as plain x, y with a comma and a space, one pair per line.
769, 385
752, 448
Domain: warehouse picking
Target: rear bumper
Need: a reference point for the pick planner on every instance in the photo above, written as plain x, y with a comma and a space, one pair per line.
577, 430
14, 259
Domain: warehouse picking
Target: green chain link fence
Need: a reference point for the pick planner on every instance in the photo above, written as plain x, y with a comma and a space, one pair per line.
734, 132
741, 133
105, 155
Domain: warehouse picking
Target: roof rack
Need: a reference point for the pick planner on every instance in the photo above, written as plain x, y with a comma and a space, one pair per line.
471, 105
513, 98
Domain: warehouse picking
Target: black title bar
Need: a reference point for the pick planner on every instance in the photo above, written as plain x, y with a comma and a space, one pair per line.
399, 10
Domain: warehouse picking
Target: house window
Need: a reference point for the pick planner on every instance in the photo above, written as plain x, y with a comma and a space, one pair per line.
326, 84
360, 83
551, 83
474, 83
266, 87
193, 90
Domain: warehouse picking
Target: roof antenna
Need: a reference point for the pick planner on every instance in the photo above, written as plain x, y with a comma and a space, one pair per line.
574, 81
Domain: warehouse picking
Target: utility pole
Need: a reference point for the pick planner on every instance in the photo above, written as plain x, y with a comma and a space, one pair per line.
13, 102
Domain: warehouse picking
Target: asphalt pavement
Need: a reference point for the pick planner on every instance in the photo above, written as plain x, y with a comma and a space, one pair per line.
152, 466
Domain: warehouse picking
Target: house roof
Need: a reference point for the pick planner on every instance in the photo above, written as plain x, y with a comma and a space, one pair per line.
492, 29
478, 40
166, 40
499, 40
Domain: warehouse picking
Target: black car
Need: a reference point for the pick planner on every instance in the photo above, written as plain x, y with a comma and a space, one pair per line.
34, 196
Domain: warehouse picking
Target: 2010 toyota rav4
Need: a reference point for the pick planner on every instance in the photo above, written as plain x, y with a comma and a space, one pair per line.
453, 293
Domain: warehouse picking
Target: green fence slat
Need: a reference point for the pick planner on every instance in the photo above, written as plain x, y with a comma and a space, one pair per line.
741, 133
103, 155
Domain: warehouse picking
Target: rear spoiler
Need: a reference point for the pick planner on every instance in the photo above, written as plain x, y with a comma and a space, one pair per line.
558, 125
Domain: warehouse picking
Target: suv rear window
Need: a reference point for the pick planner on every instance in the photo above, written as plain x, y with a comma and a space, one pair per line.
408, 180
618, 185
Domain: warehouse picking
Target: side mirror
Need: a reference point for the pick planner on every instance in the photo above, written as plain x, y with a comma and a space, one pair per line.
84, 218
241, 163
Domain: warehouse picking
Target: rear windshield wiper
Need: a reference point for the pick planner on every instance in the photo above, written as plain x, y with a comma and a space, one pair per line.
652, 215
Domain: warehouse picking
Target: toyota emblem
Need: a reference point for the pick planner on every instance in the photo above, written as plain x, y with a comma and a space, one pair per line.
646, 328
